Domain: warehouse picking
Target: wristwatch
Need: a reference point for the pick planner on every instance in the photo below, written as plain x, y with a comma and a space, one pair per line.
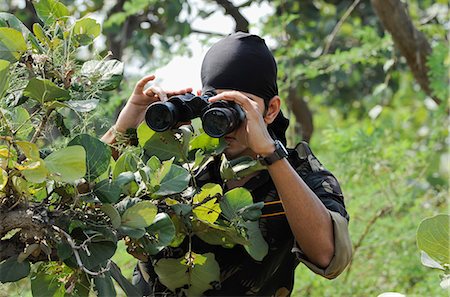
279, 153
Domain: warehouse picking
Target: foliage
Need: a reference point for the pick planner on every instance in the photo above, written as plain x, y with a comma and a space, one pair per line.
84, 201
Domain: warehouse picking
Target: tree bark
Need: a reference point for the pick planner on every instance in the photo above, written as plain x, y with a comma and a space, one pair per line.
413, 45
303, 115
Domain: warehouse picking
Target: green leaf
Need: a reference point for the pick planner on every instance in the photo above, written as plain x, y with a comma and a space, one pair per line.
44, 90
40, 34
98, 155
106, 74
163, 145
11, 270
127, 287
126, 162
21, 122
257, 247
198, 274
208, 144
234, 200
433, 238
87, 27
175, 181
112, 213
217, 235
251, 212
12, 44
3, 179
4, 76
99, 252
135, 233
46, 284
67, 164
64, 250
140, 215
104, 285
30, 149
11, 21
50, 10
36, 173
210, 210
162, 231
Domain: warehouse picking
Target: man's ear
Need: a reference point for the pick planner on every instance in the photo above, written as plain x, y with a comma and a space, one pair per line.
273, 109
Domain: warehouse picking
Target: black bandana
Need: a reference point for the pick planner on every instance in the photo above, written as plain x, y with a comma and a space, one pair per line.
243, 62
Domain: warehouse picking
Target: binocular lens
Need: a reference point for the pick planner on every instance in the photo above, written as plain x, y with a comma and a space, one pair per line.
218, 122
161, 116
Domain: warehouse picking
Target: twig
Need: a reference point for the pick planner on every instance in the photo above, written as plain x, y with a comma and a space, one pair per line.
83, 246
336, 28
38, 131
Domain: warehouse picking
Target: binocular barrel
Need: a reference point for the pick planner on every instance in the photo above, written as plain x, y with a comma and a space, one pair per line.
218, 119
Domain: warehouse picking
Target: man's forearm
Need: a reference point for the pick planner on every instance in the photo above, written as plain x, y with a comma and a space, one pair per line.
308, 218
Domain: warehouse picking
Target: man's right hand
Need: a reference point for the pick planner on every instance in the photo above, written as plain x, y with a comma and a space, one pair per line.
133, 113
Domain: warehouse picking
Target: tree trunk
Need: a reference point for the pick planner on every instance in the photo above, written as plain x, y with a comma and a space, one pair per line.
303, 116
413, 45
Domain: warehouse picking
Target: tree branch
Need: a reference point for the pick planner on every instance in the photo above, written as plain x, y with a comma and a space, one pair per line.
241, 22
413, 45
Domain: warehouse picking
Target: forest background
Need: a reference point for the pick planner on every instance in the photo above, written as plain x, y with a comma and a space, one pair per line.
365, 82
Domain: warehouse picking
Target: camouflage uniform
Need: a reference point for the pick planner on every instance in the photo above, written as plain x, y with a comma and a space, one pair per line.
241, 275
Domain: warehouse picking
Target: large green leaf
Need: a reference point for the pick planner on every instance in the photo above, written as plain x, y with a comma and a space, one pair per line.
433, 237
86, 30
163, 145
4, 76
104, 285
99, 253
107, 191
210, 210
257, 247
198, 274
11, 270
36, 173
107, 74
112, 213
44, 90
67, 164
50, 10
175, 181
140, 215
12, 44
162, 231
11, 21
126, 162
234, 200
98, 155
20, 120
207, 144
217, 234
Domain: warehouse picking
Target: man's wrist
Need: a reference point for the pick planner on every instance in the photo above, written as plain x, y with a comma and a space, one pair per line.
279, 152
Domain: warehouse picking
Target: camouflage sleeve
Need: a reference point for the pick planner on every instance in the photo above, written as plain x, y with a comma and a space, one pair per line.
327, 189
321, 181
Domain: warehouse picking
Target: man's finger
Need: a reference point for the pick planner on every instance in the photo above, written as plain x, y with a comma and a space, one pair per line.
141, 84
155, 91
179, 92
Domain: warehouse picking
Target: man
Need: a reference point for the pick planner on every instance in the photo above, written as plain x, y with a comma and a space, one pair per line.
304, 217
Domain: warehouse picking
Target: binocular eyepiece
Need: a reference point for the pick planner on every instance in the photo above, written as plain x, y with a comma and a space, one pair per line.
218, 118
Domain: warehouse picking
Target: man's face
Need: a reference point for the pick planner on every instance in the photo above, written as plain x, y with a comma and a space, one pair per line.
237, 140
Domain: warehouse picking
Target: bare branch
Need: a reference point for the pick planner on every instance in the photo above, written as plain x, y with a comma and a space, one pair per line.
336, 28
241, 22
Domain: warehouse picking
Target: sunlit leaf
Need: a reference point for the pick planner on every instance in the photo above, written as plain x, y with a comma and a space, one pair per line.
87, 27
210, 210
67, 164
106, 74
44, 90
12, 44
433, 238
4, 76
50, 10
140, 215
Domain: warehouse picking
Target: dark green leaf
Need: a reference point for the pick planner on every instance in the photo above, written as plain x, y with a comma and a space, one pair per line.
162, 231
64, 250
98, 155
127, 287
140, 215
135, 233
234, 200
99, 253
175, 181
251, 212
163, 145
107, 191
104, 285
112, 213
11, 270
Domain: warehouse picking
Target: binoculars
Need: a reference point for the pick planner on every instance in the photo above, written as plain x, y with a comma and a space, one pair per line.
218, 118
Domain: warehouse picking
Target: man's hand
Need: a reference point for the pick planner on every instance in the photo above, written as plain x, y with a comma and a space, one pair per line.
253, 132
134, 111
